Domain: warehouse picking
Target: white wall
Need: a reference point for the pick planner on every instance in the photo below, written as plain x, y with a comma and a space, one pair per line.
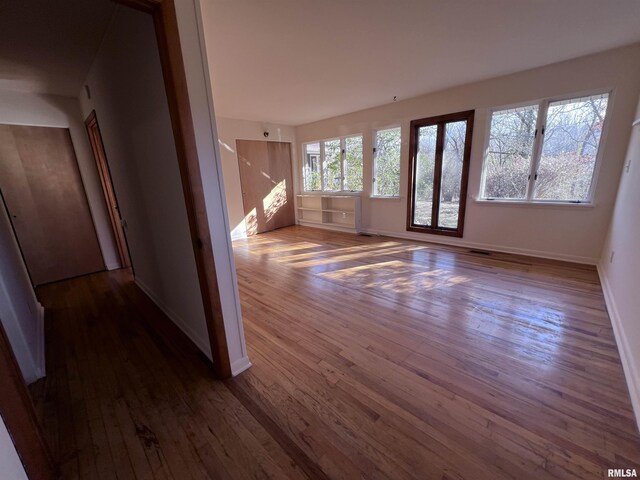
619, 268
21, 315
127, 93
194, 52
570, 232
10, 464
22, 108
230, 130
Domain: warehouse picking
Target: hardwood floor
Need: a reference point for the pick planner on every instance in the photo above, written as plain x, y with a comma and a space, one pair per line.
372, 358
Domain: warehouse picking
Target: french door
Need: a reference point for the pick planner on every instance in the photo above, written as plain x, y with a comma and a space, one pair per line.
440, 149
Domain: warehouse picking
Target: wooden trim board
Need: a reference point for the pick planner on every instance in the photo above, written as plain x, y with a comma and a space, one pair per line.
100, 156
20, 418
166, 25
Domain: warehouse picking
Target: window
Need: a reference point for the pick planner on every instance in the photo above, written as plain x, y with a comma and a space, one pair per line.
545, 152
311, 167
333, 165
386, 163
438, 173
353, 164
508, 158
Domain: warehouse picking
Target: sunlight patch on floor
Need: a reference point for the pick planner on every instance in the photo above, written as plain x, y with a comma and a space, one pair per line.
283, 248
395, 275
325, 257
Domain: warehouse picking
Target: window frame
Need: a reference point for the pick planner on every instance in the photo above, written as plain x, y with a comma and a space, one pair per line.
373, 163
415, 125
343, 161
322, 162
538, 144
302, 168
343, 158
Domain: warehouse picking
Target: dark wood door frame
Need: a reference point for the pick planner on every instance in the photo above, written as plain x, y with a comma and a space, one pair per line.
439, 121
100, 156
175, 81
20, 418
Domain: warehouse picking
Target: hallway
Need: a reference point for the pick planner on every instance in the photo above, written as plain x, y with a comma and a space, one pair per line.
119, 402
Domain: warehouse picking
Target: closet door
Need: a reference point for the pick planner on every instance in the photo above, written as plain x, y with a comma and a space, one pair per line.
46, 202
266, 181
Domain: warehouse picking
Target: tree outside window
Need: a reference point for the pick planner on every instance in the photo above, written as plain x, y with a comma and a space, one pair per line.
386, 163
333, 165
545, 152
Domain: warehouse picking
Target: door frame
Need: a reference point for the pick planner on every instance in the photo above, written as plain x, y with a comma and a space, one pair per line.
16, 406
100, 156
18, 413
439, 121
175, 81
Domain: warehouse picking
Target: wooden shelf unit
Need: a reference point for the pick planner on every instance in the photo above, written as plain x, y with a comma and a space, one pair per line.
335, 212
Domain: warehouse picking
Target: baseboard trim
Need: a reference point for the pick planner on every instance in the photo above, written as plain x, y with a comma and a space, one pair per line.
203, 346
483, 246
240, 366
40, 360
631, 373
113, 266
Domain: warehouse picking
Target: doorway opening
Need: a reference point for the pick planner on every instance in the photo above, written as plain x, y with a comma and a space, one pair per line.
196, 225
100, 156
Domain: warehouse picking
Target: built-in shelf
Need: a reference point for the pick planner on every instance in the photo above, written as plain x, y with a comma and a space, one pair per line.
337, 212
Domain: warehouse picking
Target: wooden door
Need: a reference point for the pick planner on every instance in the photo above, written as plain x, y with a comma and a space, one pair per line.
47, 204
267, 185
95, 138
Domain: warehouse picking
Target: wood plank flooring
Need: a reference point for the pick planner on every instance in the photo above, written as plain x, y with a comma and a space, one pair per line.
373, 358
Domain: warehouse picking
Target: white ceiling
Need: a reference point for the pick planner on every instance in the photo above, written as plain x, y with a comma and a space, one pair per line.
297, 61
47, 46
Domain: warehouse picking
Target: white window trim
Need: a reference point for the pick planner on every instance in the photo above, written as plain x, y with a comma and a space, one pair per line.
543, 106
535, 203
304, 158
343, 157
386, 197
373, 163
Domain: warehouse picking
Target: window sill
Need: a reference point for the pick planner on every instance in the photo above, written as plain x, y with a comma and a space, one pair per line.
333, 194
516, 203
384, 197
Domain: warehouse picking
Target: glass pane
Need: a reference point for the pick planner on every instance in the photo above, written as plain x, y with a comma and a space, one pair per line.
353, 164
311, 167
386, 168
508, 158
425, 163
571, 140
451, 180
331, 165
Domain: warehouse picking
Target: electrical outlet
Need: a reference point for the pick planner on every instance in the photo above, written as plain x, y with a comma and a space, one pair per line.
613, 253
